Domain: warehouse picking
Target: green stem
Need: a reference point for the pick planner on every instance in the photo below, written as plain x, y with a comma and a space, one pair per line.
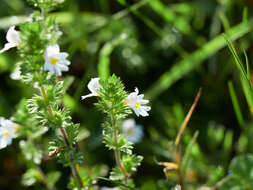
65, 137
117, 156
116, 150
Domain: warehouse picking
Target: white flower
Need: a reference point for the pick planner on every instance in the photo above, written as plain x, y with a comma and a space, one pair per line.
131, 131
177, 187
93, 86
12, 38
55, 61
16, 74
136, 102
8, 131
109, 188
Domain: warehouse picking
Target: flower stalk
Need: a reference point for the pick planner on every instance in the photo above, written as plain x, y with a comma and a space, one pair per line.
116, 150
111, 95
65, 137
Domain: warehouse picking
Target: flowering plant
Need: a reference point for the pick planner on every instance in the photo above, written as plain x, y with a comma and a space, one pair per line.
41, 65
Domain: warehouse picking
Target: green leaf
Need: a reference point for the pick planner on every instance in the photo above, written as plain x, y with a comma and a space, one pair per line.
123, 2
236, 105
170, 16
238, 61
232, 183
243, 166
241, 176
131, 162
52, 178
30, 177
187, 154
116, 174
227, 144
122, 144
72, 132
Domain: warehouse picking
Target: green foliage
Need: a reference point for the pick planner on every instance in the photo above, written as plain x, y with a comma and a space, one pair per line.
44, 109
112, 97
31, 152
131, 162
52, 178
111, 102
104, 57
196, 58
31, 177
116, 174
121, 143
240, 176
236, 104
46, 5
168, 48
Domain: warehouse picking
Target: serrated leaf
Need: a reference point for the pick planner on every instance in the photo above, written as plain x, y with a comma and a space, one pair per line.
131, 162
116, 174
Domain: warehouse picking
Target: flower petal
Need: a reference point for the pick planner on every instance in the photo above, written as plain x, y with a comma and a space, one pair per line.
87, 96
7, 46
12, 36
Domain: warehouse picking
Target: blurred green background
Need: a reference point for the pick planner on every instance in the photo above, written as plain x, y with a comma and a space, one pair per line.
166, 48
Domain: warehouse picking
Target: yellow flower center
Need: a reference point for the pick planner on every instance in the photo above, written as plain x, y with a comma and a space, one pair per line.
98, 95
124, 103
19, 44
130, 131
137, 104
6, 134
53, 60
17, 128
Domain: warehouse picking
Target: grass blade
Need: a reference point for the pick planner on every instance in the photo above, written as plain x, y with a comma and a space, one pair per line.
187, 154
104, 56
196, 58
187, 118
236, 106
237, 59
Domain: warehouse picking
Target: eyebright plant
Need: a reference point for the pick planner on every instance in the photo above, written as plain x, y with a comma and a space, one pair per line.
116, 104
36, 42
41, 64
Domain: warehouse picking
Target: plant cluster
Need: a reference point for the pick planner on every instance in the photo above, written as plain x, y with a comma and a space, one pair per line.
36, 42
44, 120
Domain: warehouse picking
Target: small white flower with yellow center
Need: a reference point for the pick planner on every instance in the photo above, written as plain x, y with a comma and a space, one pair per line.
8, 131
93, 86
131, 131
55, 61
12, 38
136, 102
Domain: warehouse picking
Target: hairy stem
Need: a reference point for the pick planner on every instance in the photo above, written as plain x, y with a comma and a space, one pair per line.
65, 137
116, 151
117, 156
